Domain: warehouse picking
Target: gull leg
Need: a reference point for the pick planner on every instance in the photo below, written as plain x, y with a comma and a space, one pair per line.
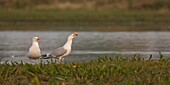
30, 61
59, 60
37, 61
62, 60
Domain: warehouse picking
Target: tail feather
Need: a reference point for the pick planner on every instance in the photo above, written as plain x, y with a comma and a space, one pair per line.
45, 56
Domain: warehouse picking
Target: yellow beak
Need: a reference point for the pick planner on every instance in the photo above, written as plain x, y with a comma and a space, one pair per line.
75, 33
38, 38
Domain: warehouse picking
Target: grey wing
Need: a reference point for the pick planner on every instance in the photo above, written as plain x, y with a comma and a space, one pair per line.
58, 52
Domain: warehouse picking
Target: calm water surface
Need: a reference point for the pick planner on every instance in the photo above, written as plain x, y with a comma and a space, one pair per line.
88, 45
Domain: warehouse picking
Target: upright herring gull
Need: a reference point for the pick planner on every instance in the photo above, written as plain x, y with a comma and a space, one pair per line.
63, 51
34, 51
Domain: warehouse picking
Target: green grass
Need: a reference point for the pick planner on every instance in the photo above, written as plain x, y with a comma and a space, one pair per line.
84, 20
85, 15
104, 71
80, 15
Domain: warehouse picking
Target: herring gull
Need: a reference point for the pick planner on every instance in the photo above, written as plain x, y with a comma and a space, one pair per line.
34, 51
63, 51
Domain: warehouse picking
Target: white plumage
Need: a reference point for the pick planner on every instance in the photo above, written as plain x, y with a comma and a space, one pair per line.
63, 51
34, 51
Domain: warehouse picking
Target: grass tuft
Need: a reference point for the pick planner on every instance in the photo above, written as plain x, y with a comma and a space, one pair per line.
106, 70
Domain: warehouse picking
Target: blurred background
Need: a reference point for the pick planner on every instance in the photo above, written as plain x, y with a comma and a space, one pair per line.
85, 15
106, 27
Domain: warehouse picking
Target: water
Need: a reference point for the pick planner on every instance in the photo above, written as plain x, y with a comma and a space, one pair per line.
87, 46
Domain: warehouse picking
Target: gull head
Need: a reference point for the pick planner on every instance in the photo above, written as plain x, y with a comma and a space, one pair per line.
73, 35
35, 39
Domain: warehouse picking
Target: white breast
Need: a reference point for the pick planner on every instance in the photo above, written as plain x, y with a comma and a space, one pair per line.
34, 52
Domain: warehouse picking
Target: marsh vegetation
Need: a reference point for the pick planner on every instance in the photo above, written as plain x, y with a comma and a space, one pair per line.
85, 15
108, 70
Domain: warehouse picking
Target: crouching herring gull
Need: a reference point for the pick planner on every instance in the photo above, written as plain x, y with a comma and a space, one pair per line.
34, 51
61, 52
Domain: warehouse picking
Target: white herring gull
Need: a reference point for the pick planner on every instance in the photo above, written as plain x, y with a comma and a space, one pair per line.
63, 51
34, 51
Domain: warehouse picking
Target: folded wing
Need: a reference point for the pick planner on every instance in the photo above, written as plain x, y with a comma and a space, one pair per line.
56, 53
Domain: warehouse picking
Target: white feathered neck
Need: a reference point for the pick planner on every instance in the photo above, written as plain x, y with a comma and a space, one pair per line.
68, 43
35, 43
